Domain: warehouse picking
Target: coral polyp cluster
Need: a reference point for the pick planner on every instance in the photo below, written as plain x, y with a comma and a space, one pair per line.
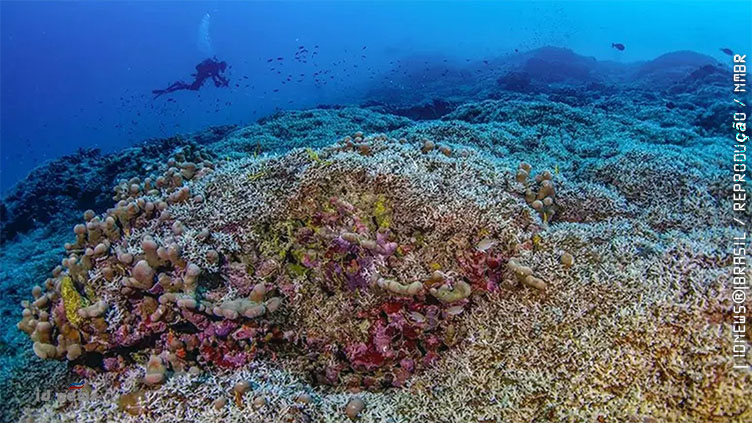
355, 261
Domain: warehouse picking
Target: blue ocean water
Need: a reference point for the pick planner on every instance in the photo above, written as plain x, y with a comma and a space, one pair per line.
80, 74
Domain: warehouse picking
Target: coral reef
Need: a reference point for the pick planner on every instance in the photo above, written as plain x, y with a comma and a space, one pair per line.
549, 254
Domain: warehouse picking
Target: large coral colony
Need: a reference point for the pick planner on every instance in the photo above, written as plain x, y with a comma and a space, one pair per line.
352, 264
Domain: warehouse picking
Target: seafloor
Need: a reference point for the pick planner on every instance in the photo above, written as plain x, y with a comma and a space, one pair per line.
547, 243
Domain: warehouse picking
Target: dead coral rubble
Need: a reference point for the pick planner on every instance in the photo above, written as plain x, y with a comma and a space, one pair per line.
355, 265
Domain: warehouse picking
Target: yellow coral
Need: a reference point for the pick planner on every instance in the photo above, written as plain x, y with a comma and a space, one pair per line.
537, 241
381, 212
90, 294
256, 176
72, 300
272, 243
314, 156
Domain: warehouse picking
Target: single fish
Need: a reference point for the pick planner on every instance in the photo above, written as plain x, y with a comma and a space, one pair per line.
485, 245
727, 51
455, 310
618, 46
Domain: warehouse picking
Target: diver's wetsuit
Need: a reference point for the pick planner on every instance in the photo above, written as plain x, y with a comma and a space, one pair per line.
209, 68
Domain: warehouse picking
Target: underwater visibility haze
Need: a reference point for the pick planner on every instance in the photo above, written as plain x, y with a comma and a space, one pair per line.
375, 211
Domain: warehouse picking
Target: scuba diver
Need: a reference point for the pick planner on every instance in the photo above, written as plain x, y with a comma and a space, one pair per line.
209, 68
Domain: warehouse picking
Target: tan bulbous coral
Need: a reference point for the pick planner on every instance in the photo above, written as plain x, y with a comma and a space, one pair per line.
525, 275
142, 276
155, 371
248, 308
450, 294
73, 352
354, 407
539, 193
567, 260
95, 310
43, 350
397, 288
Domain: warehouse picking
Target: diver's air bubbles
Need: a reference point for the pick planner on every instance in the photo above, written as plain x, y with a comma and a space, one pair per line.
204, 39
